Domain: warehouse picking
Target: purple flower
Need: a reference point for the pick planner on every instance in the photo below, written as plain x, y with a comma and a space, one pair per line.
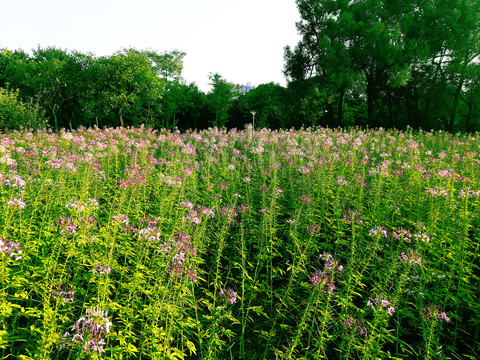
11, 248
229, 295
89, 331
17, 202
101, 269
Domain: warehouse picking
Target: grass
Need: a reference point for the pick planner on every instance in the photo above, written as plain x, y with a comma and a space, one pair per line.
308, 244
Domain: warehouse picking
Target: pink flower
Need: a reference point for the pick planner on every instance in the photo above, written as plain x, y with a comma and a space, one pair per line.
17, 202
305, 198
229, 295
187, 204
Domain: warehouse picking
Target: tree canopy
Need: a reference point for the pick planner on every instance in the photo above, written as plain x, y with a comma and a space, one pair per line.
408, 60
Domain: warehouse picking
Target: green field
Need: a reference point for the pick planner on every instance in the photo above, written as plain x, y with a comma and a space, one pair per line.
301, 244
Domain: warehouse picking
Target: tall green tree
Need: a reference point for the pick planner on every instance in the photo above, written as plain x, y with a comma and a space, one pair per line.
220, 99
409, 59
126, 83
268, 102
183, 106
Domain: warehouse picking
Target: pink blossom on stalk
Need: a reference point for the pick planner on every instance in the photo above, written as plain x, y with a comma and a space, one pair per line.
341, 181
402, 234
321, 278
352, 216
357, 323
304, 170
121, 218
63, 292
433, 312
412, 258
243, 208
385, 303
192, 216
101, 269
423, 237
229, 295
305, 198
17, 202
379, 230
11, 248
373, 302
443, 316
206, 211
187, 204
90, 331
67, 225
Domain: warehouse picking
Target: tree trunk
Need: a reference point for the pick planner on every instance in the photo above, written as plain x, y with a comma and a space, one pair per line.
458, 91
453, 114
371, 101
121, 117
340, 106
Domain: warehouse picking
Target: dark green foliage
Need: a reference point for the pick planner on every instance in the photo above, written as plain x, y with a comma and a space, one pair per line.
15, 114
78, 89
408, 61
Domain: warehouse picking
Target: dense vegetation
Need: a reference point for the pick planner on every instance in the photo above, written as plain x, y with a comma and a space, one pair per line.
136, 244
388, 63
368, 63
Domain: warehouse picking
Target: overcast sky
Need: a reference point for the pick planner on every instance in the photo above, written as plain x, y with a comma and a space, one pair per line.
242, 40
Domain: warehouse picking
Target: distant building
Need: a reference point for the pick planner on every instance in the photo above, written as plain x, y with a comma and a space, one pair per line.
245, 89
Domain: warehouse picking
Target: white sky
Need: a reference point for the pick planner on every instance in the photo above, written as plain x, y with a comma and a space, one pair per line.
242, 40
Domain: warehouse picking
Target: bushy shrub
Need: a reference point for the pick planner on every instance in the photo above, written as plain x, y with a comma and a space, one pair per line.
16, 114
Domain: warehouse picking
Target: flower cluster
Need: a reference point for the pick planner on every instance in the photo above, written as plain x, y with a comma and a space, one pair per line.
325, 278
352, 216
434, 312
314, 228
101, 269
89, 331
17, 202
67, 225
305, 198
469, 193
411, 258
121, 218
243, 208
12, 180
402, 234
422, 237
229, 295
136, 176
179, 251
80, 206
193, 216
437, 191
149, 233
379, 231
341, 181
357, 323
229, 212
373, 302
64, 292
11, 248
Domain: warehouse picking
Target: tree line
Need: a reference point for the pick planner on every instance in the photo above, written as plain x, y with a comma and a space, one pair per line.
359, 63
388, 63
68, 89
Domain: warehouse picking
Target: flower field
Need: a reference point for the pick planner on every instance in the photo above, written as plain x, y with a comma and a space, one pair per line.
301, 244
